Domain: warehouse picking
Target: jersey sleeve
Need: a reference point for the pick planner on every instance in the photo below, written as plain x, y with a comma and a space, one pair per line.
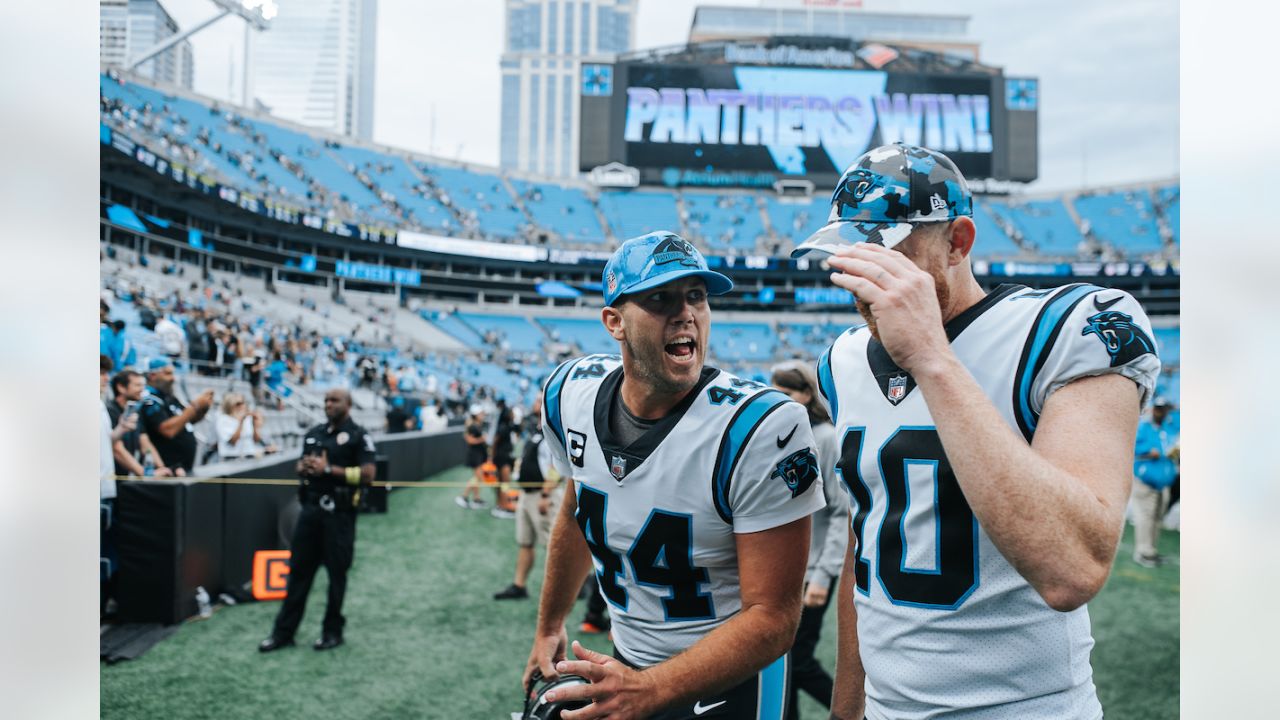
773, 476
152, 414
553, 436
368, 452
1104, 332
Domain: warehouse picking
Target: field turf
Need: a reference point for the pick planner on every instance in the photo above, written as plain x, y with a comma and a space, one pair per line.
424, 639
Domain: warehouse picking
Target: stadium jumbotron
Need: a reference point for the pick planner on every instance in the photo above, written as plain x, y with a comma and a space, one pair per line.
269, 262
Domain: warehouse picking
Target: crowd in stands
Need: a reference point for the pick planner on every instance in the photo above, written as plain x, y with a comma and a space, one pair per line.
394, 189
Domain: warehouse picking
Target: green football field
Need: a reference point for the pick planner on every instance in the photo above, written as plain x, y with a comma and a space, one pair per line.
424, 639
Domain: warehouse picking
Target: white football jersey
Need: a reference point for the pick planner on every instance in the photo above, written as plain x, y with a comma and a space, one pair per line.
947, 627
660, 515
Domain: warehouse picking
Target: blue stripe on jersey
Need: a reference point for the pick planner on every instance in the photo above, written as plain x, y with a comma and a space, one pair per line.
741, 428
773, 690
551, 399
1035, 353
827, 380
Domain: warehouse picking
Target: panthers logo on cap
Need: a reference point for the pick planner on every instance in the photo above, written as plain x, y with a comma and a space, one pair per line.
1125, 341
798, 470
674, 249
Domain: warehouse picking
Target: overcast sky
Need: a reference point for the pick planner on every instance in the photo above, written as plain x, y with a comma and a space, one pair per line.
1108, 74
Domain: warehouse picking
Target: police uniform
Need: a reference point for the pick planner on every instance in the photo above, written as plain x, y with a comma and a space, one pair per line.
178, 451
326, 530
660, 517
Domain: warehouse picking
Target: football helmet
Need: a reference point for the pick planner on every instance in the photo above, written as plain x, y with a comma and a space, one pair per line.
536, 705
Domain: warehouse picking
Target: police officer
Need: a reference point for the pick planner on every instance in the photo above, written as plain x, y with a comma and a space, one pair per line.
337, 459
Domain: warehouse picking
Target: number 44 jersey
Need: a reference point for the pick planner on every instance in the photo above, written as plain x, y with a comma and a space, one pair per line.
660, 514
946, 626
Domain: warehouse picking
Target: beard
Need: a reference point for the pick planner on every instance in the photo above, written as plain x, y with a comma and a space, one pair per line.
941, 287
648, 368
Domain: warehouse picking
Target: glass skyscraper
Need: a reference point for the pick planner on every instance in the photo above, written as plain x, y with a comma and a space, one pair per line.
315, 65
127, 28
546, 43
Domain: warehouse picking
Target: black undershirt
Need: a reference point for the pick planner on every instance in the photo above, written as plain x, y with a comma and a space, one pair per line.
627, 428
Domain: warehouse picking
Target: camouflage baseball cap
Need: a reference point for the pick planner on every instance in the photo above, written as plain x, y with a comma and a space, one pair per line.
886, 190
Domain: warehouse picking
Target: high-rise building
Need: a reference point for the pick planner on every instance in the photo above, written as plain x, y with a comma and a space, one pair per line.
946, 34
315, 65
545, 45
128, 28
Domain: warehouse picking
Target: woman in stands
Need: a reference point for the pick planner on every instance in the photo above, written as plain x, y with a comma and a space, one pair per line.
239, 430
827, 541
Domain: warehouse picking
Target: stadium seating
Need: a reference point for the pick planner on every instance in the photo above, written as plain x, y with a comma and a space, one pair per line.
742, 341
1169, 346
455, 327
724, 224
347, 181
636, 212
1046, 224
481, 196
565, 211
512, 332
1124, 220
586, 333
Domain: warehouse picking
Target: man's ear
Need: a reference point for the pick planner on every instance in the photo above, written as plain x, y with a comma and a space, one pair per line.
613, 323
960, 237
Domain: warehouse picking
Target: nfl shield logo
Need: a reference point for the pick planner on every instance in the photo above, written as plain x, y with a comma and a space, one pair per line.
897, 388
618, 467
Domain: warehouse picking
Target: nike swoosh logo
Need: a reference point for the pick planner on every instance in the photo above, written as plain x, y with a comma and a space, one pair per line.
782, 441
1104, 305
699, 708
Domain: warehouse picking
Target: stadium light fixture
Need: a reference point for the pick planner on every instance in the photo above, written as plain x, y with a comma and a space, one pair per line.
256, 14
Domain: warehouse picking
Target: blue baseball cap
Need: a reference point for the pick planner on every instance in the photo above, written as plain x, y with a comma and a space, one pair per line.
645, 262
884, 192
159, 363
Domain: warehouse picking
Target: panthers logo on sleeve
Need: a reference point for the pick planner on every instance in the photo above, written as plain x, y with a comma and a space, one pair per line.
798, 470
1125, 341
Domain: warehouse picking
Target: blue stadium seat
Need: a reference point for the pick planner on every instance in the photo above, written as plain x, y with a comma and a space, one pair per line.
632, 213
723, 222
587, 333
1124, 220
1170, 199
566, 211
451, 324
515, 333
1044, 223
797, 221
392, 174
742, 341
483, 195
992, 241
1169, 345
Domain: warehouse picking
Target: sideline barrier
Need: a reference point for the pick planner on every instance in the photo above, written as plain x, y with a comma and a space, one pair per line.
176, 534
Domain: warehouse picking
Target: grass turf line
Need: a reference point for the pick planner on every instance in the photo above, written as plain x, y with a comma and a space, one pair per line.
425, 639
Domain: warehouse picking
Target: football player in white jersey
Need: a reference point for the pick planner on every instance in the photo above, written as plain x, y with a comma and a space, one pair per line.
689, 492
986, 442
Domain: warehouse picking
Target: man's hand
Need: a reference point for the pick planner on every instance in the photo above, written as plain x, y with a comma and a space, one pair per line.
128, 423
616, 691
179, 472
902, 298
547, 651
203, 401
162, 471
815, 595
544, 505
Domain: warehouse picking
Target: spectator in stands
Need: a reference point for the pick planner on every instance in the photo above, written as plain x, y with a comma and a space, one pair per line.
240, 430
275, 373
113, 344
536, 509
400, 415
827, 541
172, 340
1154, 471
477, 455
432, 418
127, 388
168, 422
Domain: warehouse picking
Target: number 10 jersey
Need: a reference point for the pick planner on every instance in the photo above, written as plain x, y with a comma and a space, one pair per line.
946, 625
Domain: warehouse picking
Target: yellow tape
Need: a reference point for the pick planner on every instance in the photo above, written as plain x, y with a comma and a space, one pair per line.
276, 481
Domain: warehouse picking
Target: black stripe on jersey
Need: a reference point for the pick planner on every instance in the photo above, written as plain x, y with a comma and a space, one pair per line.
1029, 348
641, 449
731, 448
883, 367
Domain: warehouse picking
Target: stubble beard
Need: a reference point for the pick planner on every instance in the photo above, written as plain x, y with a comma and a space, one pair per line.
941, 287
651, 373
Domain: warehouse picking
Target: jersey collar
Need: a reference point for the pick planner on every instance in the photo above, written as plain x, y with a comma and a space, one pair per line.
639, 451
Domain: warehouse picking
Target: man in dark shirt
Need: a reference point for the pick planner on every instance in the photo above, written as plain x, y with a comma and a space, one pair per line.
127, 389
337, 460
167, 422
